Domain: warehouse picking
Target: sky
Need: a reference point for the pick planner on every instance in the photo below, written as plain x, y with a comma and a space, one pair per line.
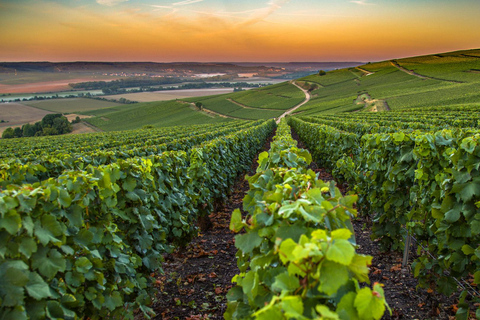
234, 30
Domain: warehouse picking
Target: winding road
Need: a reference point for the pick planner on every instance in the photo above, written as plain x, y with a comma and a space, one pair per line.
307, 98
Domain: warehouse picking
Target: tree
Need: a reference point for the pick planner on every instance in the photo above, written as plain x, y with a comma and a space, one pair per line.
8, 133
47, 131
28, 130
61, 125
199, 105
47, 121
321, 73
17, 132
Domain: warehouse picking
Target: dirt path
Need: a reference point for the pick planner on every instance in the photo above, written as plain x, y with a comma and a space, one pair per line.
410, 72
379, 104
367, 73
91, 126
307, 98
421, 76
210, 111
196, 279
247, 107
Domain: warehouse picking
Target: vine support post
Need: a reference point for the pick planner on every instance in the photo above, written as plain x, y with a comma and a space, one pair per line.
406, 250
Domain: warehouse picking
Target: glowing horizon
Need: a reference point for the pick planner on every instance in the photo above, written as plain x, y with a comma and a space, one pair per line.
240, 31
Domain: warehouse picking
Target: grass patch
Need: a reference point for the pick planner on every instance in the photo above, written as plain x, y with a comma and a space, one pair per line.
74, 105
157, 114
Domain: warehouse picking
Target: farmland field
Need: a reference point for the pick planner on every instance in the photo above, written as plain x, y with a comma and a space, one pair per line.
37, 82
282, 96
169, 94
157, 114
17, 114
73, 105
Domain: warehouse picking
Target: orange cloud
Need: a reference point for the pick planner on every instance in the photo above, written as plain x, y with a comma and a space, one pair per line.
53, 31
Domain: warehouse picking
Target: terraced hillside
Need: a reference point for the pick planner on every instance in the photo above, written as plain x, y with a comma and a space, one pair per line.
448, 79
264, 103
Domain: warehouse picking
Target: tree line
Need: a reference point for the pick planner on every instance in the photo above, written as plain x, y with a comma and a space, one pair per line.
51, 124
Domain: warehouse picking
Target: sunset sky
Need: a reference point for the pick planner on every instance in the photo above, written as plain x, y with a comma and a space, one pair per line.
234, 30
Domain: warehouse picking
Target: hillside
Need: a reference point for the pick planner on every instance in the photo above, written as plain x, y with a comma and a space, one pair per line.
157, 114
446, 79
336, 203
263, 103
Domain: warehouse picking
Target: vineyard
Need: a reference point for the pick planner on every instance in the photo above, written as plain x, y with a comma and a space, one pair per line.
89, 223
86, 220
416, 174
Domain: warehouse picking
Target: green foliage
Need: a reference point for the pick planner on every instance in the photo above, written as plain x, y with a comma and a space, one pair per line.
297, 257
427, 182
221, 104
282, 96
446, 80
8, 133
158, 114
51, 161
51, 124
84, 243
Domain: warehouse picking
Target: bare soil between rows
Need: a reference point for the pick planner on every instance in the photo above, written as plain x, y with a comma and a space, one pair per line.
197, 278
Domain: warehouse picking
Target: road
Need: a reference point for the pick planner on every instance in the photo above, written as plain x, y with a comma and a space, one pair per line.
307, 98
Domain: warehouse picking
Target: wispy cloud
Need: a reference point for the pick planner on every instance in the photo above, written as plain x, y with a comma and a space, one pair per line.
361, 2
175, 5
161, 7
263, 13
184, 3
110, 2
229, 20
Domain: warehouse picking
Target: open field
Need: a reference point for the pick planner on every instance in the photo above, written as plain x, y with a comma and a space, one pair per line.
169, 94
82, 127
73, 105
17, 114
37, 84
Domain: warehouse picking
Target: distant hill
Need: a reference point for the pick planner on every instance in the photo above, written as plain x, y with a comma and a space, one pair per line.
131, 67
302, 66
443, 79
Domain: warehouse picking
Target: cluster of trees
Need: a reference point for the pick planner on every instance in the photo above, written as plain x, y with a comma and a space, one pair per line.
192, 85
51, 124
145, 85
116, 85
46, 97
311, 87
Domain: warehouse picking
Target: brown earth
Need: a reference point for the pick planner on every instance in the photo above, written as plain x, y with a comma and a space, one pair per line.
166, 95
45, 86
82, 127
17, 114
